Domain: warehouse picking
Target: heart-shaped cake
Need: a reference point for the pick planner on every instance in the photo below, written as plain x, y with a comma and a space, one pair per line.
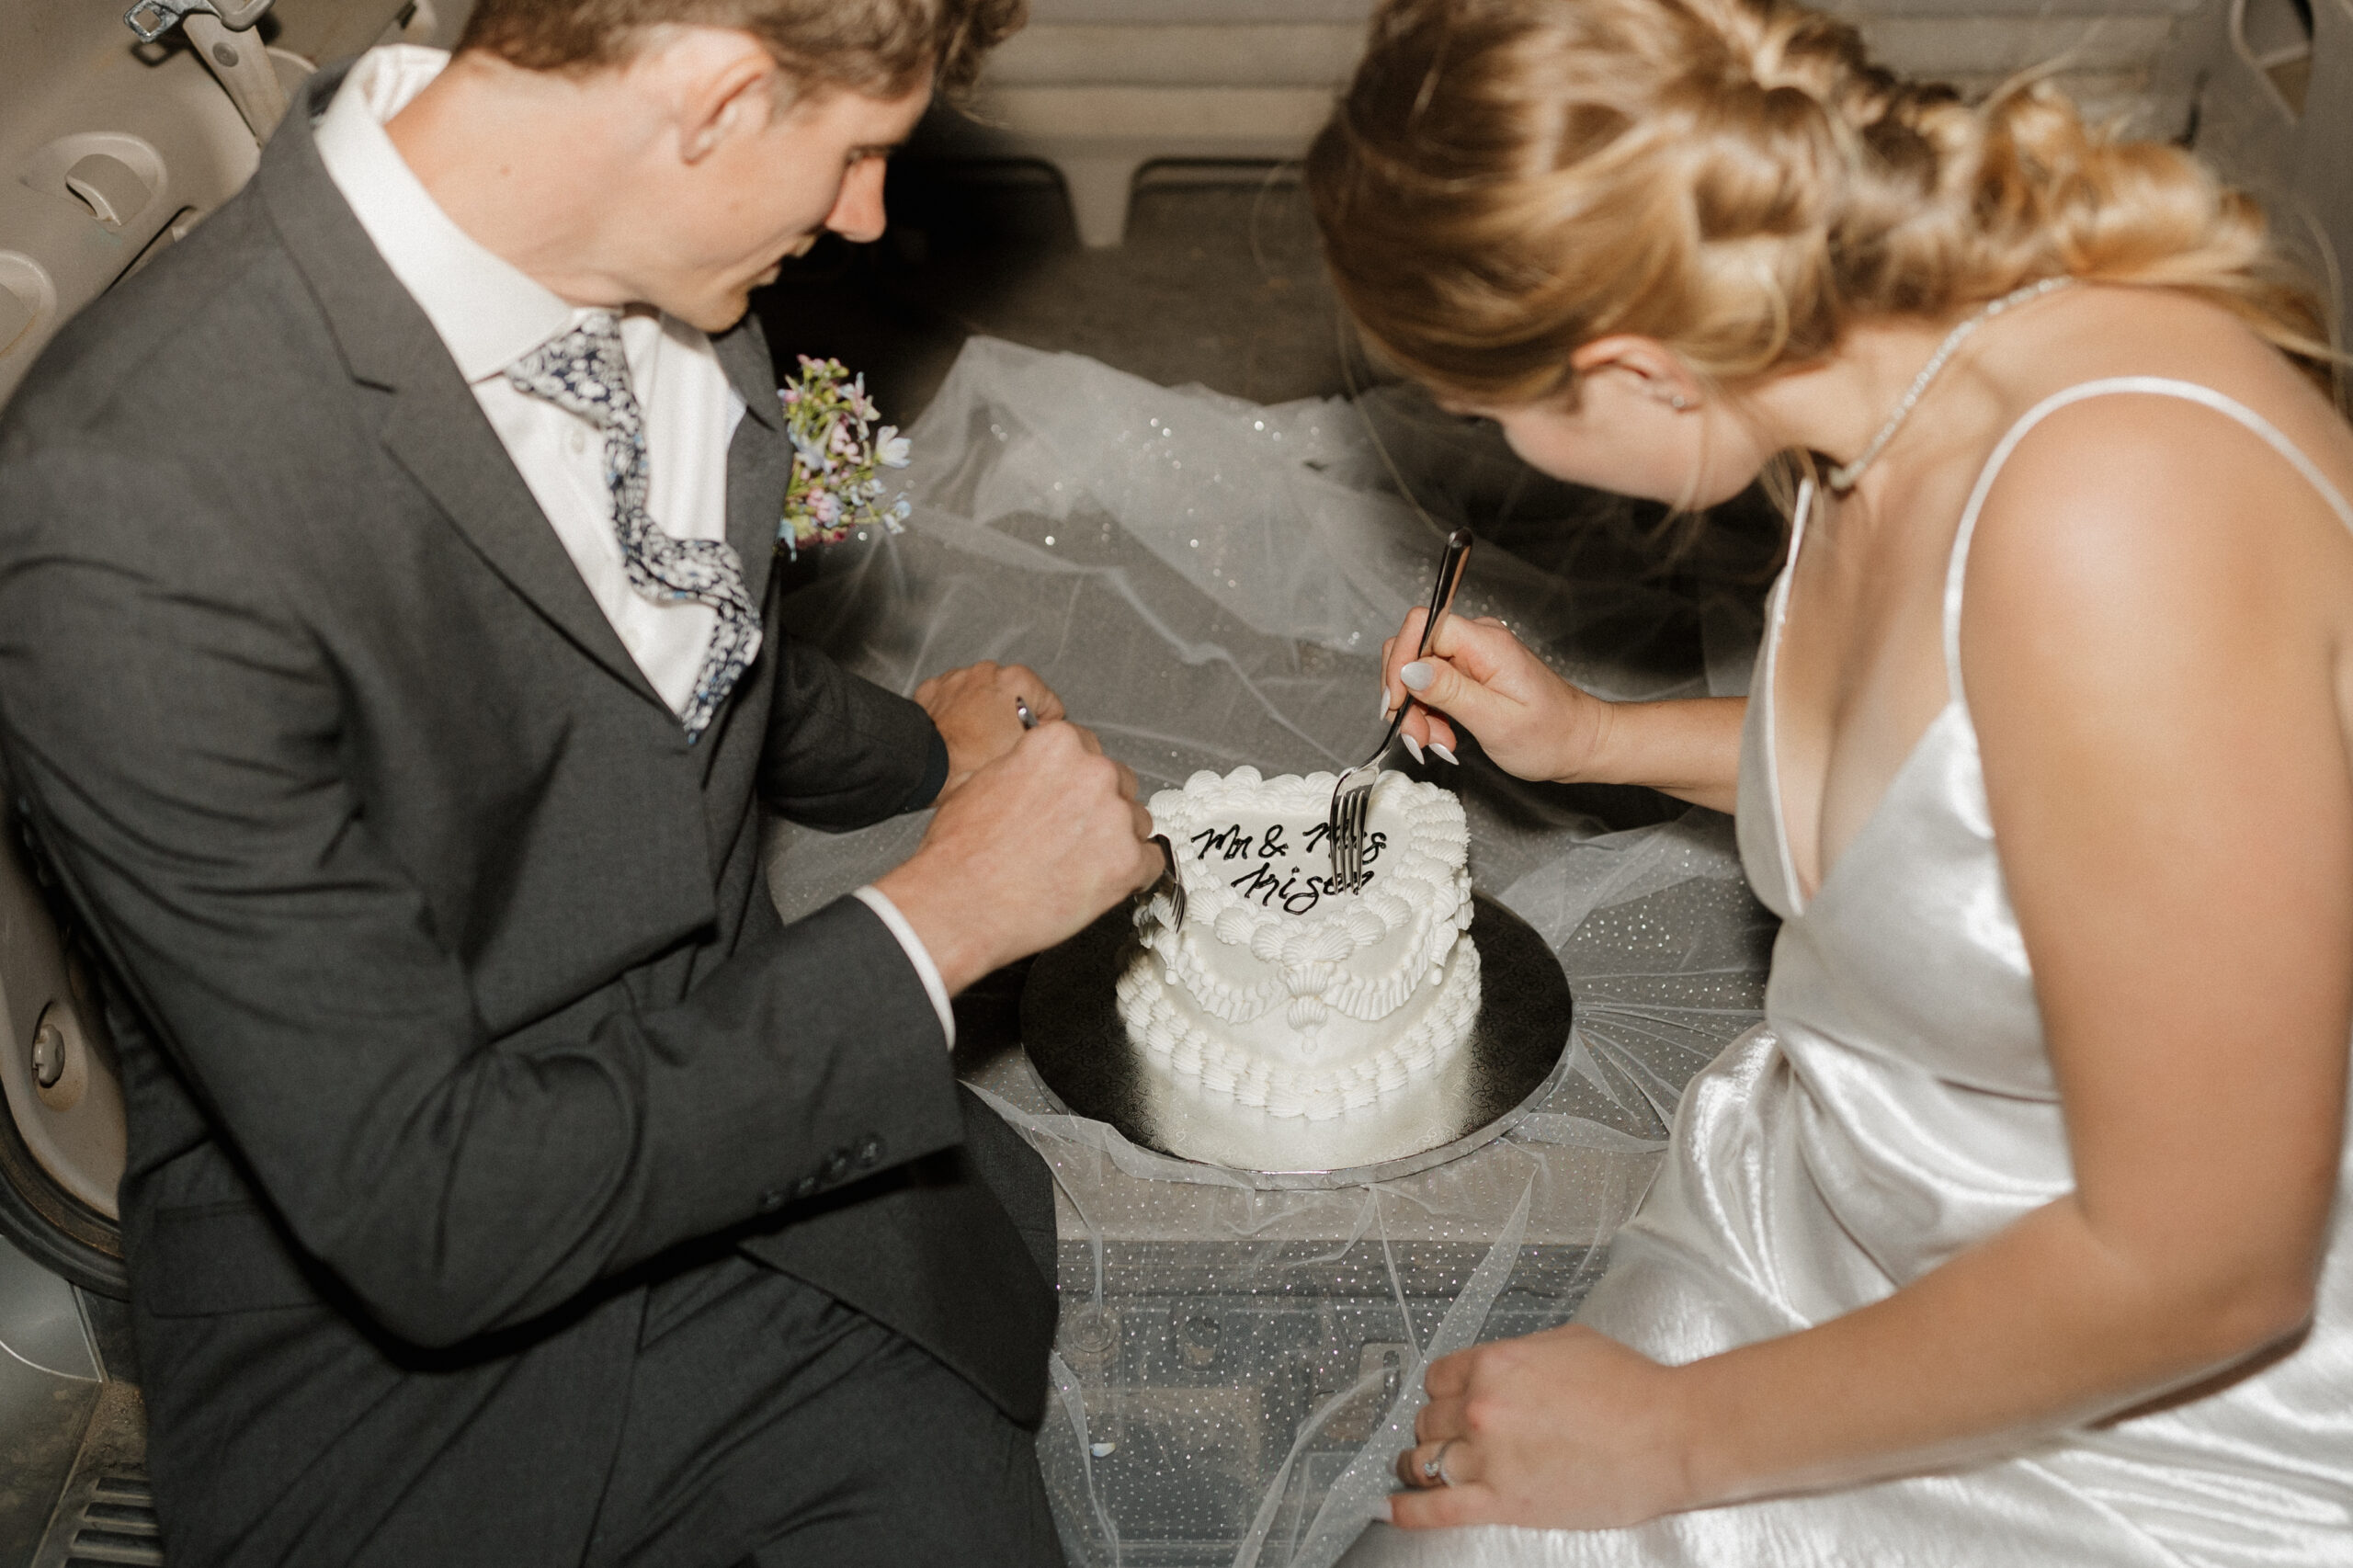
1282, 993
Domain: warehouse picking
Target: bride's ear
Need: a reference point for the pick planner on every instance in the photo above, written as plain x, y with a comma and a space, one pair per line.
1651, 369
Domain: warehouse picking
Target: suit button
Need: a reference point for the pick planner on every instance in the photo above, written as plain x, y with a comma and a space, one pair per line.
772, 1199
837, 1165
870, 1152
805, 1187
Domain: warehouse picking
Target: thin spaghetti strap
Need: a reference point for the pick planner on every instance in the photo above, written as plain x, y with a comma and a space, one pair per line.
1802, 513
1763, 689
2153, 386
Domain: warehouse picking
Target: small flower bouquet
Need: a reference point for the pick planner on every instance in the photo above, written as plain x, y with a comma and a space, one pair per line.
838, 455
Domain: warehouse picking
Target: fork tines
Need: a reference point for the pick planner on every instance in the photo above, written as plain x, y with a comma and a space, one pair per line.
1350, 804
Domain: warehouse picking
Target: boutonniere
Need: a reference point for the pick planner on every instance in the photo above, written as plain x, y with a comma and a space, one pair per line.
838, 454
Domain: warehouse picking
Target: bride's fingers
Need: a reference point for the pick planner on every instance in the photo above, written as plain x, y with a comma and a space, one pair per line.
1409, 636
1469, 1503
1416, 1465
1414, 729
1470, 653
1427, 734
1449, 1376
1440, 1420
1487, 647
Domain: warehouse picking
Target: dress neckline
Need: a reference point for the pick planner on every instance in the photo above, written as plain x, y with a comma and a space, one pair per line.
1956, 699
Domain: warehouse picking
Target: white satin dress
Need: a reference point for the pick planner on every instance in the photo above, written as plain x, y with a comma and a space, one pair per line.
1897, 1106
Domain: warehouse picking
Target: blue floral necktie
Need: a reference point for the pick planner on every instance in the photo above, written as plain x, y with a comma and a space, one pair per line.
584, 372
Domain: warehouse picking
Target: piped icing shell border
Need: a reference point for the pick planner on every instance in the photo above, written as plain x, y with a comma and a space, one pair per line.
1423, 887
1193, 1056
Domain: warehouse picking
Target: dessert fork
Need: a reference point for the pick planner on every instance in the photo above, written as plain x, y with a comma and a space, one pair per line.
1352, 792
1171, 884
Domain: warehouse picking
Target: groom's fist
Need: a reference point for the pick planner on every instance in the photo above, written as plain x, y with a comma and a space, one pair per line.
978, 712
1036, 844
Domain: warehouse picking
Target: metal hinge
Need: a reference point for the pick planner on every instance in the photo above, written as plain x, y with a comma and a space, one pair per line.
151, 20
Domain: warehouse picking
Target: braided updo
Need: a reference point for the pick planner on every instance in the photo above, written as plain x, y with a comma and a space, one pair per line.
1506, 180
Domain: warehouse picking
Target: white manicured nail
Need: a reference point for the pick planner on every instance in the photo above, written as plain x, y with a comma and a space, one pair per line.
1382, 1512
1410, 744
1387, 707
1441, 750
1417, 675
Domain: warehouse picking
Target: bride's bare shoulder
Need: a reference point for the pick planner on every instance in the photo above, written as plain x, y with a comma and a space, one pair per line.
2102, 333
2145, 462
2142, 530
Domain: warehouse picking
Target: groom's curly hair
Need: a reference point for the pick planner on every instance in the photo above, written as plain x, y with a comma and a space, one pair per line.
880, 48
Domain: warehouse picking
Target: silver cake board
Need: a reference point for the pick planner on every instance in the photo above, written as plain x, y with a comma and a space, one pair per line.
1509, 1065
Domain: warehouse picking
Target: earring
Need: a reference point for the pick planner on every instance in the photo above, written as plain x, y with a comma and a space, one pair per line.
1679, 403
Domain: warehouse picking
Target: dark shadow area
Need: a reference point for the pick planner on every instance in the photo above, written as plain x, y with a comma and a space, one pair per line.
1220, 282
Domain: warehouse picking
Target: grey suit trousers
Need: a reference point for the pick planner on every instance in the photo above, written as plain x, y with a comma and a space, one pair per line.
771, 1425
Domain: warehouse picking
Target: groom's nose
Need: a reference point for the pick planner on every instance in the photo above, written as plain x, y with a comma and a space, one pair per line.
858, 211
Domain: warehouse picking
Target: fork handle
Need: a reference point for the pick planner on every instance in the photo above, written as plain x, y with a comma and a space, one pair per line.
1449, 577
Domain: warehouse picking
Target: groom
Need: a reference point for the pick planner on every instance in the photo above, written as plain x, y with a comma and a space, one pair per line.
390, 669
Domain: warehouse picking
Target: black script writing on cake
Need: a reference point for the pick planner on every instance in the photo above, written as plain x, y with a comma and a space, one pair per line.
1286, 864
1226, 843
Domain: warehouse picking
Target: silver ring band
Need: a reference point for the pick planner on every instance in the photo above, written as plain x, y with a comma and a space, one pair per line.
1434, 1467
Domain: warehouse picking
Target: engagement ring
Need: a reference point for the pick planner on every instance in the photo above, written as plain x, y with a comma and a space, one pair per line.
1434, 1467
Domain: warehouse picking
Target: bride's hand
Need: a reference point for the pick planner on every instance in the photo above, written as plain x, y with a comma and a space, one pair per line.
1567, 1429
1477, 676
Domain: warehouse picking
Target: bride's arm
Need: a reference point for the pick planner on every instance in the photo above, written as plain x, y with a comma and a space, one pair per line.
2153, 651
1533, 724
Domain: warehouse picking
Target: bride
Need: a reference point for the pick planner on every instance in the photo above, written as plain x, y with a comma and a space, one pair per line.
2008, 1237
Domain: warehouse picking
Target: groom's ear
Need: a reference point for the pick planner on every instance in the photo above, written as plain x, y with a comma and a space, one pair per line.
722, 84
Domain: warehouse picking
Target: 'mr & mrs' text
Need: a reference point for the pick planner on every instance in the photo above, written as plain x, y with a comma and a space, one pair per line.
1286, 887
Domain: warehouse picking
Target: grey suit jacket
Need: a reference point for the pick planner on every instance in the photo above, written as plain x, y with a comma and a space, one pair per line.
451, 1002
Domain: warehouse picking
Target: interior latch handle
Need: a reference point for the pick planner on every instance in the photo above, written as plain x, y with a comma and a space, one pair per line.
151, 20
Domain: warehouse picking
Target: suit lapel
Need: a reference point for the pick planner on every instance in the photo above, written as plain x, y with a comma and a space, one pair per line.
435, 429
759, 459
450, 450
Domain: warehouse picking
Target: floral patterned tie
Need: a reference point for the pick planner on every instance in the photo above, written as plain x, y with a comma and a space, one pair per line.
584, 372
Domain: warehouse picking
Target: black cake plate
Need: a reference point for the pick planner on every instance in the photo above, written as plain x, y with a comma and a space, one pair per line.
1070, 1026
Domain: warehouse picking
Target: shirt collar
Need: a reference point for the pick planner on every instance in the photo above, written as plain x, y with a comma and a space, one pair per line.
488, 313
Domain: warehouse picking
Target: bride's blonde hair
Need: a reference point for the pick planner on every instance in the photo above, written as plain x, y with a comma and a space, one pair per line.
1506, 180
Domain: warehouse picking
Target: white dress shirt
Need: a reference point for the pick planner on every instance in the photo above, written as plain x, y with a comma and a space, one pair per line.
488, 314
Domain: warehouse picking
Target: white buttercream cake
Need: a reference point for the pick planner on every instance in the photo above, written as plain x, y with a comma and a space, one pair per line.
1280, 993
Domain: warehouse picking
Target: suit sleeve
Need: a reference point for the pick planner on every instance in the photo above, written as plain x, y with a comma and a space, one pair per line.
176, 732
842, 752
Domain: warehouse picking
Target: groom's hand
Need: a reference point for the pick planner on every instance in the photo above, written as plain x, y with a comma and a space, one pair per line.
975, 711
1035, 845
